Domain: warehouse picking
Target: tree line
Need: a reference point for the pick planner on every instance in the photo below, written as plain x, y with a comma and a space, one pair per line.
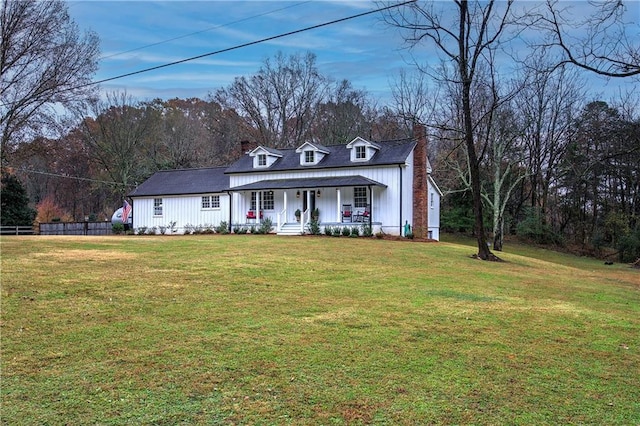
530, 154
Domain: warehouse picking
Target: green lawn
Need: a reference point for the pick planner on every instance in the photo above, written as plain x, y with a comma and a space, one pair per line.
268, 330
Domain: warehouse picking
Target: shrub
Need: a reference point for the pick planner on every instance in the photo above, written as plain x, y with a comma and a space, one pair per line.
142, 230
117, 228
252, 229
207, 228
49, 211
314, 227
188, 229
328, 231
163, 229
223, 228
266, 226
240, 230
367, 231
152, 230
336, 232
629, 247
346, 231
172, 227
355, 232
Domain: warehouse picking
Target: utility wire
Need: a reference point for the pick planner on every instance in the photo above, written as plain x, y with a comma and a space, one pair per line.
203, 31
240, 46
68, 177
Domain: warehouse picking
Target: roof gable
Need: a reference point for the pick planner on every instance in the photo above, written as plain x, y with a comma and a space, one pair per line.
313, 146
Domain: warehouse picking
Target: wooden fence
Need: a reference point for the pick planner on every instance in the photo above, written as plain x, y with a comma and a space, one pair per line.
76, 228
16, 230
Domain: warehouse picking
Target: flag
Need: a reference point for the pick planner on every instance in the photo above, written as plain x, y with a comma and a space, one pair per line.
126, 211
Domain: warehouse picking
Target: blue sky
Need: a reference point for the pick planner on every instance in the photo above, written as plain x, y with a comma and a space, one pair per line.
364, 50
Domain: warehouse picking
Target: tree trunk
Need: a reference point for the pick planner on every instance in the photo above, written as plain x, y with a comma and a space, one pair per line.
474, 169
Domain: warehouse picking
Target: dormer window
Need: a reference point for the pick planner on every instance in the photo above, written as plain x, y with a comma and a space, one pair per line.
309, 157
362, 150
311, 153
264, 157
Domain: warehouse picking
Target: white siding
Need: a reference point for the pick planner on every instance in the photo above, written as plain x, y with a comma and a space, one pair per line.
385, 203
183, 210
434, 211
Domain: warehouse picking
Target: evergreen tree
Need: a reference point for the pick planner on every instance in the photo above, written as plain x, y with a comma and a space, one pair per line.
14, 210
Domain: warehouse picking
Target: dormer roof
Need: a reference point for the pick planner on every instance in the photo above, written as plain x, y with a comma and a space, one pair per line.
313, 146
360, 141
265, 150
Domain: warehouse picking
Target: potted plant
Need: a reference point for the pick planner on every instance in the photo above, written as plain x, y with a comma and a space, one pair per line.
298, 213
315, 214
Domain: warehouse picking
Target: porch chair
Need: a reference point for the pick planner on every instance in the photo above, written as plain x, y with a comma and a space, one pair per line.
363, 216
347, 212
251, 214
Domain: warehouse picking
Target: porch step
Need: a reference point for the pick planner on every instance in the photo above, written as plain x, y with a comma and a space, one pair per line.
290, 229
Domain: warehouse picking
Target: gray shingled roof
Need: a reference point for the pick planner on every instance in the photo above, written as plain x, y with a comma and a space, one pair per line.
390, 152
185, 181
320, 182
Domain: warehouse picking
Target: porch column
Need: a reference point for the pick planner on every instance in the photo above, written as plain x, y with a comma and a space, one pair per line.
258, 207
338, 206
285, 204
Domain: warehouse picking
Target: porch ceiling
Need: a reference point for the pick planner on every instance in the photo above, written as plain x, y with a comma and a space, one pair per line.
319, 182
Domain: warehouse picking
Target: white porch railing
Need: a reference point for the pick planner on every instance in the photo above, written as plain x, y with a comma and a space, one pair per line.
282, 219
304, 219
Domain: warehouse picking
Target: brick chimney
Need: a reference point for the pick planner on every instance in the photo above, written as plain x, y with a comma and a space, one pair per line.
420, 190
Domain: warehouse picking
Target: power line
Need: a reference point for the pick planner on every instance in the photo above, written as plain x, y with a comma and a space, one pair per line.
68, 177
203, 31
240, 46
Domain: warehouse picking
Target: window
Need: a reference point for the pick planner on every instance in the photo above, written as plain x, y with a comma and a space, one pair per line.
360, 197
262, 159
309, 156
211, 202
361, 152
157, 206
266, 200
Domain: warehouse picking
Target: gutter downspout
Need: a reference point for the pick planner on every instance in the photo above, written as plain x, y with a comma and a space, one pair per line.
371, 209
230, 208
400, 219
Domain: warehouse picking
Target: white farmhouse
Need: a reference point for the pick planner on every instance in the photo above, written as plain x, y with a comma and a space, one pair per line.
385, 185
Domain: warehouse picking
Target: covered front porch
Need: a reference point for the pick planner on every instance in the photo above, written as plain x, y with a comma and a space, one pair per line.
292, 204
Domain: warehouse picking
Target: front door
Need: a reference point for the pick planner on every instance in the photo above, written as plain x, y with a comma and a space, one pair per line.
304, 201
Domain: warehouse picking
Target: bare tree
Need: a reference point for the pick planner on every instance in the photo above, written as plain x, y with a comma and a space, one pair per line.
548, 104
412, 100
346, 113
45, 64
604, 41
116, 139
280, 99
465, 34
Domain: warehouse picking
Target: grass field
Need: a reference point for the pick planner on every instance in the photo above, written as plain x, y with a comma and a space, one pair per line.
268, 330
